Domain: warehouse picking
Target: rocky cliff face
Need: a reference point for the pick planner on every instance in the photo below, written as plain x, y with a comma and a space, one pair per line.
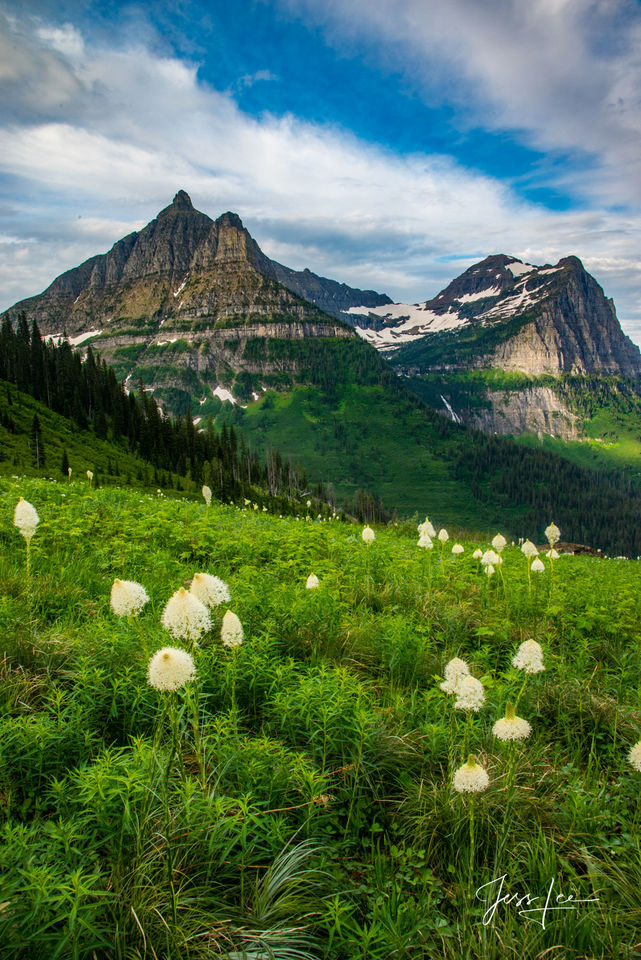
535, 409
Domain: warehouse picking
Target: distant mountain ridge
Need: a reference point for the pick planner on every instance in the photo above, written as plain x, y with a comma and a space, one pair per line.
506, 314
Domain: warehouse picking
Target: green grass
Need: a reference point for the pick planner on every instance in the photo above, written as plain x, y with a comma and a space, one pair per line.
309, 813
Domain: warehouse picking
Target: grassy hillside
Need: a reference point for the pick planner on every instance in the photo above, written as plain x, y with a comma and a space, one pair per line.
295, 798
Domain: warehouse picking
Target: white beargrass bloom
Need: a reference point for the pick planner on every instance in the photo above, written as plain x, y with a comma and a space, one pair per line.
511, 727
490, 557
537, 565
489, 570
552, 554
69, 472
470, 694
368, 535
457, 549
499, 542
89, 475
231, 632
206, 492
25, 518
426, 528
127, 598
170, 669
212, 591
471, 777
529, 657
634, 756
425, 541
477, 554
454, 671
185, 616
529, 549
312, 581
443, 535
309, 503
552, 534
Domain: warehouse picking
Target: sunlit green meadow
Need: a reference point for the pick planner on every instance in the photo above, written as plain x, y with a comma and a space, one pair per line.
295, 798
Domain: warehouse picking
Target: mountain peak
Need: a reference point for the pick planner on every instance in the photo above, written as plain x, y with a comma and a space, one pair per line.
182, 201
230, 219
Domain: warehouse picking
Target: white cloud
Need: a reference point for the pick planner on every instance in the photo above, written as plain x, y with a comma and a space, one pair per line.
139, 126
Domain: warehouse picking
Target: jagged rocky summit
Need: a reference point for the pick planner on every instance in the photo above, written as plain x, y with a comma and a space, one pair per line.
505, 314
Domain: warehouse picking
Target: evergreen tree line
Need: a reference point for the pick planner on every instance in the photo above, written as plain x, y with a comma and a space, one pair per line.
88, 392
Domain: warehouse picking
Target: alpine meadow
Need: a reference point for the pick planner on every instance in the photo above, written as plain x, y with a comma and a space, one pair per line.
320, 480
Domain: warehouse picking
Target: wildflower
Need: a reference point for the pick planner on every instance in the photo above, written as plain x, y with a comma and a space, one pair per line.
127, 598
69, 472
170, 669
454, 671
471, 777
368, 535
537, 565
309, 503
529, 549
211, 591
185, 616
255, 506
529, 657
457, 549
490, 557
206, 492
89, 476
477, 554
634, 756
443, 535
246, 501
552, 534
425, 541
426, 528
470, 694
231, 632
264, 509
499, 542
25, 518
511, 727
552, 554
489, 570
312, 582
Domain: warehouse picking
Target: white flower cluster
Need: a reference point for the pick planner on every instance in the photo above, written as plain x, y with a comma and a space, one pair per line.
471, 777
231, 632
25, 518
206, 492
529, 657
311, 582
552, 534
185, 616
511, 727
170, 669
454, 670
457, 549
634, 756
443, 535
426, 528
212, 591
529, 550
368, 535
499, 542
127, 598
470, 694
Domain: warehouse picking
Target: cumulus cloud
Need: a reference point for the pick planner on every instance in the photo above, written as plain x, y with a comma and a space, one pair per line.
128, 127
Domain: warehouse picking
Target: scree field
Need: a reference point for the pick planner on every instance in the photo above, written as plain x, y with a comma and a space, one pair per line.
307, 789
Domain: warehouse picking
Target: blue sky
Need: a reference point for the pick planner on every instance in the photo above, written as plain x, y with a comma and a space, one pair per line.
386, 144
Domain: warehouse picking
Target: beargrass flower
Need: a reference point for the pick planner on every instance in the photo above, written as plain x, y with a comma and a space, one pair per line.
69, 472
457, 549
25, 518
552, 534
552, 554
471, 777
529, 657
231, 632
89, 476
312, 582
470, 694
185, 616
170, 669
426, 528
499, 542
368, 535
489, 570
529, 549
425, 541
634, 756
455, 670
490, 557
511, 727
127, 598
477, 555
212, 591
443, 535
537, 565
206, 492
